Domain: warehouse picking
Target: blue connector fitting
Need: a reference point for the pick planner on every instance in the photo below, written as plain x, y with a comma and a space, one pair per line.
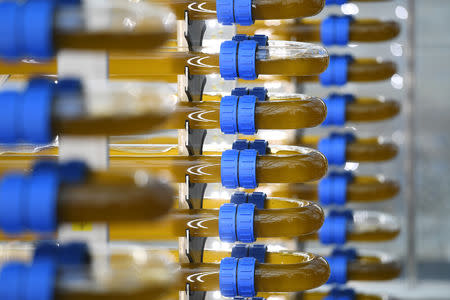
336, 107
333, 188
245, 223
228, 276
246, 277
246, 115
341, 294
334, 147
239, 251
247, 169
335, 30
257, 198
336, 73
227, 222
335, 2
334, 229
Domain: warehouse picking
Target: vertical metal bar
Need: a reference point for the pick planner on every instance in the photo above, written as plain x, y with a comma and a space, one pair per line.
410, 157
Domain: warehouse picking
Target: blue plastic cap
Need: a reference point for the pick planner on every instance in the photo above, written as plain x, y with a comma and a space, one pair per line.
258, 251
240, 144
247, 169
243, 12
12, 280
239, 198
37, 110
229, 168
38, 16
247, 60
228, 276
246, 277
40, 279
10, 30
246, 115
259, 92
260, 146
228, 60
12, 202
334, 229
341, 294
336, 73
10, 102
240, 91
338, 269
245, 223
239, 251
257, 198
227, 222
40, 213
229, 114
225, 11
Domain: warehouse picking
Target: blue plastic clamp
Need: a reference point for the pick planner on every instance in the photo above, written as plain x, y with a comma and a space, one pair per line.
247, 168
229, 168
243, 12
246, 115
341, 294
335, 30
247, 60
240, 91
259, 92
229, 114
258, 251
240, 144
228, 276
246, 277
228, 60
40, 279
261, 39
334, 228
245, 217
260, 146
239, 251
257, 198
41, 199
225, 11
336, 73
336, 106
37, 108
338, 269
10, 102
69, 172
38, 17
334, 147
227, 222
12, 203
333, 188
12, 280
239, 198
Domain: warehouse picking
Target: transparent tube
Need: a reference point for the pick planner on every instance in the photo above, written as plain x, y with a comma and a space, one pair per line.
360, 150
307, 165
363, 109
112, 25
369, 226
261, 9
278, 58
364, 30
361, 189
363, 70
